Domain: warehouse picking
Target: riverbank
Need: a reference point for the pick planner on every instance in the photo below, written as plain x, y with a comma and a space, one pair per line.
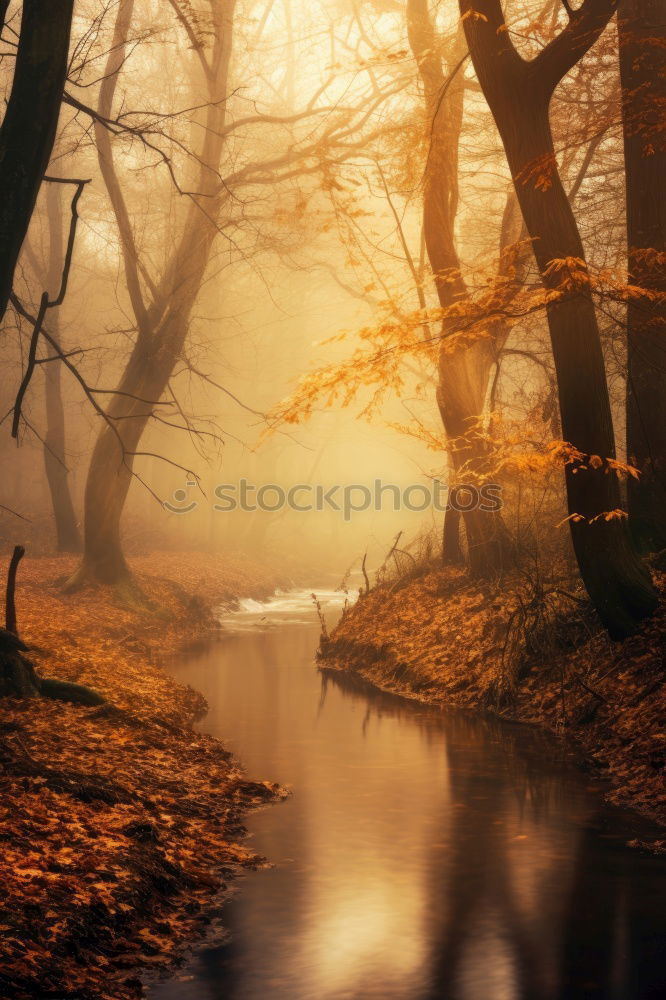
532, 657
120, 827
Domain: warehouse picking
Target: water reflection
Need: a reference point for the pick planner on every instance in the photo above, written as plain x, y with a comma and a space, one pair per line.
422, 855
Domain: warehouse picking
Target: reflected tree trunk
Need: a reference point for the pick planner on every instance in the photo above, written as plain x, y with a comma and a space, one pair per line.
594, 963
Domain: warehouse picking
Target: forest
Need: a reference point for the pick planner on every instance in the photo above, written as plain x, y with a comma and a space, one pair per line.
333, 520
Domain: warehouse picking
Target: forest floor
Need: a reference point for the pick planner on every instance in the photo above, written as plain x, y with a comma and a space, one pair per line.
119, 825
540, 659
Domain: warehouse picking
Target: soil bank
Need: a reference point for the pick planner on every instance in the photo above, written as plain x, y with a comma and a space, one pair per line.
443, 638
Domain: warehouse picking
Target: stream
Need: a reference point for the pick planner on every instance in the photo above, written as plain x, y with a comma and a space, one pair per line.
423, 854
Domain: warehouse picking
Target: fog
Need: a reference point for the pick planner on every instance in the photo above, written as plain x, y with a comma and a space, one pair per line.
298, 172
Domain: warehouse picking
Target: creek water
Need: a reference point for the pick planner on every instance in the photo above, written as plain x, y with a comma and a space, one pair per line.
423, 854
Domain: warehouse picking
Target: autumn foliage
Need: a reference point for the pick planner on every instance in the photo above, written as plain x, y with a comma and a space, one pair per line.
119, 824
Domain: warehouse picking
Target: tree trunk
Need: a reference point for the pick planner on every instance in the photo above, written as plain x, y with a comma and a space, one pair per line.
163, 320
67, 530
463, 378
463, 372
452, 551
29, 126
518, 94
110, 472
642, 33
18, 678
68, 537
17, 675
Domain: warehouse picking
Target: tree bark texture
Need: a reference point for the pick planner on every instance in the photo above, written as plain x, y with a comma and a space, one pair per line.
29, 127
463, 371
518, 93
162, 314
642, 37
68, 537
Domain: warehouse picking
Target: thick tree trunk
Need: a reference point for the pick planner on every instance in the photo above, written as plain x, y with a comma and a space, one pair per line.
29, 126
68, 537
642, 34
110, 472
518, 94
463, 372
163, 319
463, 379
452, 551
